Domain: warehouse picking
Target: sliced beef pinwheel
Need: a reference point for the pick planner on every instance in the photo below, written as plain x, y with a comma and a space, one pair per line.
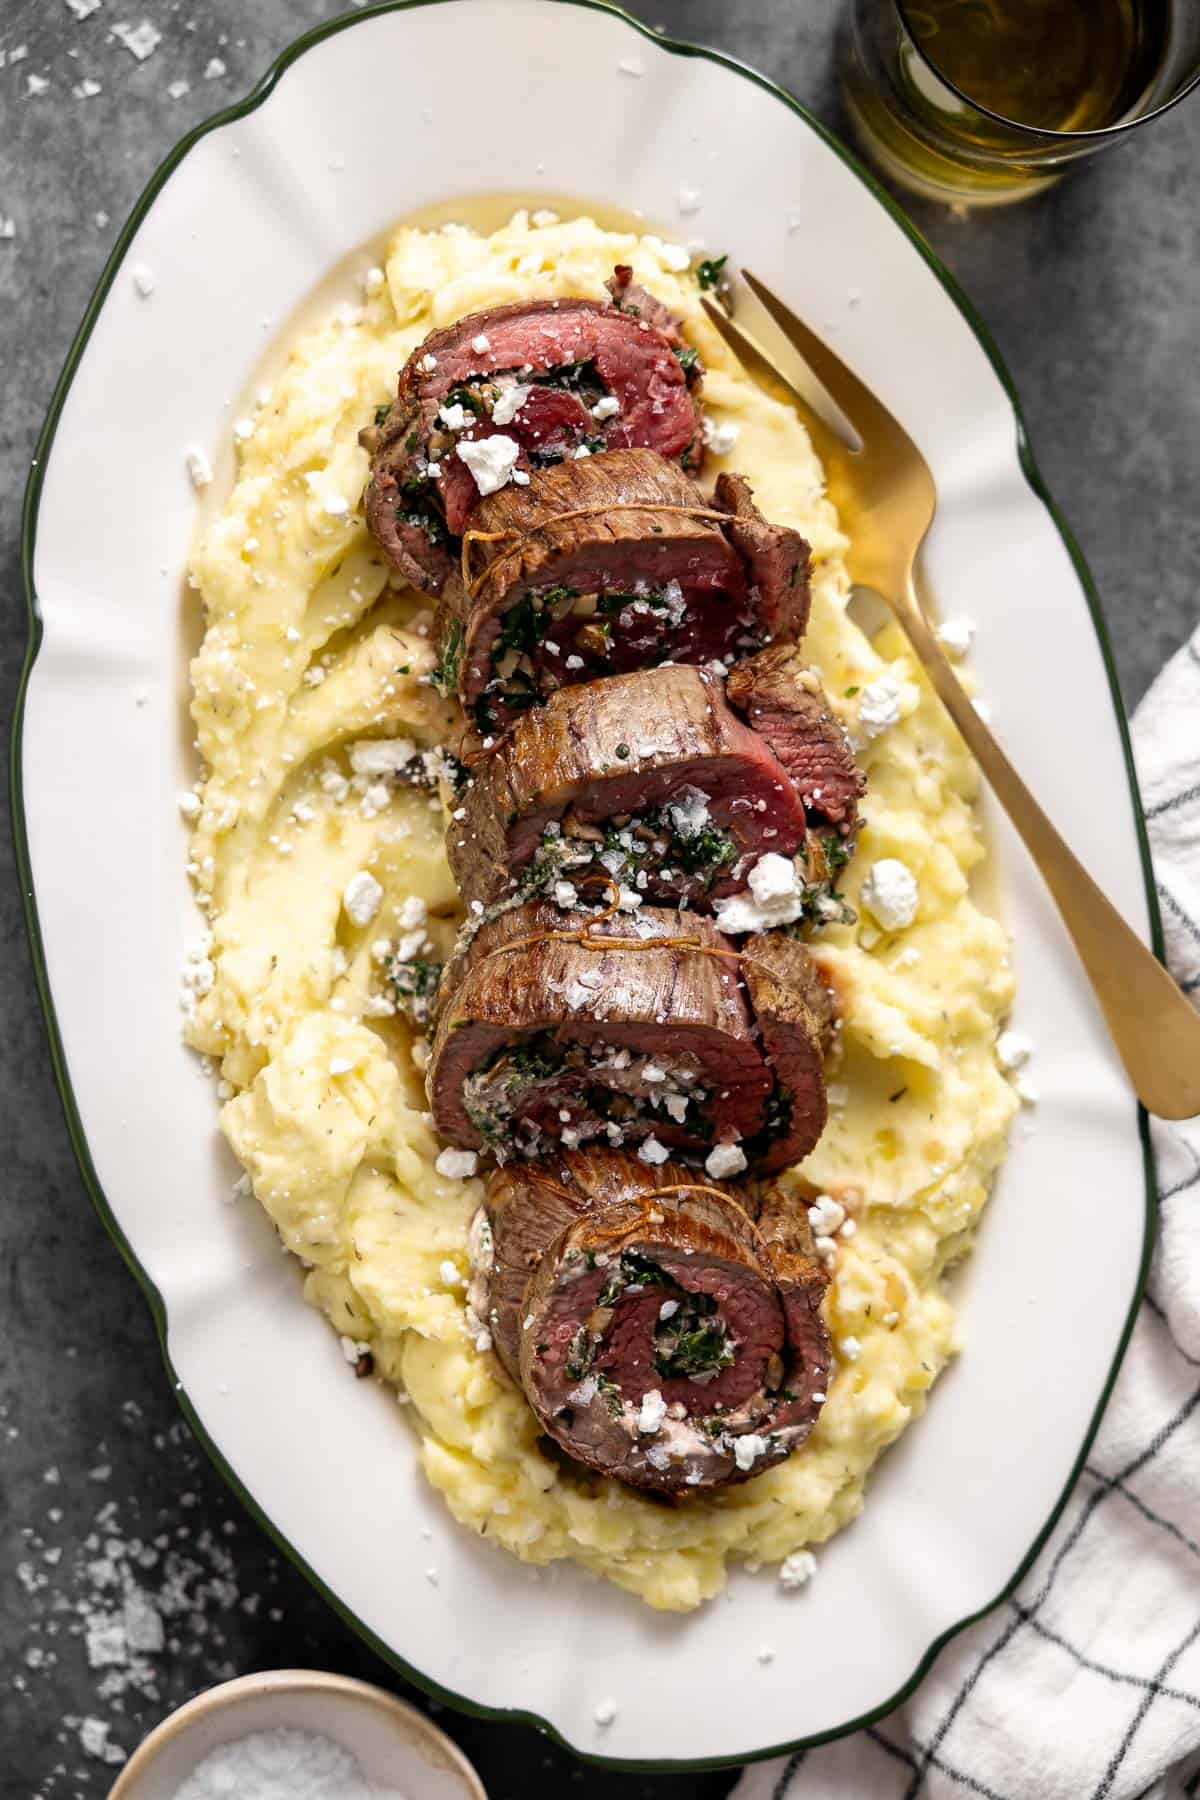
653, 783
644, 1029
649, 781
603, 566
502, 393
660, 1333
542, 1039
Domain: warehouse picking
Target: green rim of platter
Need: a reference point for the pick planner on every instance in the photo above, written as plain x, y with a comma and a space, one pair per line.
676, 47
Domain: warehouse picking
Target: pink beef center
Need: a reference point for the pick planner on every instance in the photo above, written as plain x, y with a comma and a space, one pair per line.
751, 804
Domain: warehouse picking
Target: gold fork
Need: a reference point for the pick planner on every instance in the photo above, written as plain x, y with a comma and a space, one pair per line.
886, 497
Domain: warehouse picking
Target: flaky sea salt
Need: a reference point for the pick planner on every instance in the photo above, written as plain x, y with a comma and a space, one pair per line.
284, 1764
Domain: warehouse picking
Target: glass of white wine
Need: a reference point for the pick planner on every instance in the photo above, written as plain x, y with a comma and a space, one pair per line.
985, 101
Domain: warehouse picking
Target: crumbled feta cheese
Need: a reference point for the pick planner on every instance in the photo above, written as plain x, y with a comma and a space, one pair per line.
456, 417
797, 1570
143, 279
879, 704
776, 897
336, 505
606, 408
748, 1449
382, 756
490, 460
340, 1065
243, 429
955, 636
1013, 1049
721, 438
373, 280
189, 804
481, 343
631, 65
651, 1151
457, 1164
890, 893
668, 1309
362, 897
726, 1159
427, 364
509, 404
566, 894
198, 467
849, 1349
688, 200
411, 912
653, 1412
826, 1215
605, 1710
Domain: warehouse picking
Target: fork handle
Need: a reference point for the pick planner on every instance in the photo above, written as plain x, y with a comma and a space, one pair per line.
1154, 1026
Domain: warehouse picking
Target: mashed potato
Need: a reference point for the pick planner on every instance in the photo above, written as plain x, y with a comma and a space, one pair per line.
308, 863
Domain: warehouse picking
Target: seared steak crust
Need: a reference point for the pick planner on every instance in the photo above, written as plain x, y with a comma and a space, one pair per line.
588, 1255
777, 558
795, 1016
623, 747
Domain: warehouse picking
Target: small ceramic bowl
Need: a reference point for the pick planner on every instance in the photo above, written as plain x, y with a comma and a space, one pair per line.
397, 1746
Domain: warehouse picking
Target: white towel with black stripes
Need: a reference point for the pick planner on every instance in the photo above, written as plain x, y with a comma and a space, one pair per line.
1085, 1684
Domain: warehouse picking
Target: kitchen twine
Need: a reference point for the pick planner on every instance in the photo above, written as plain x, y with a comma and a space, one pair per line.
1085, 1683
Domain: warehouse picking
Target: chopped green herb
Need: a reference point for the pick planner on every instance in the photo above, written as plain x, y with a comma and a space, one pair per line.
851, 691
414, 987
623, 751
688, 356
465, 397
381, 412
445, 672
710, 273
571, 375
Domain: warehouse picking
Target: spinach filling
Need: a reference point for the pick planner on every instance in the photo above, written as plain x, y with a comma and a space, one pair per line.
691, 1344
414, 986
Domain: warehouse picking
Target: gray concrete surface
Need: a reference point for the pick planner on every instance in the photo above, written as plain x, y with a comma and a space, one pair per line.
1091, 292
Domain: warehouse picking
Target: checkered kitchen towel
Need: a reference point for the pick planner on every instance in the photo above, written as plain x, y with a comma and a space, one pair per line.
1085, 1685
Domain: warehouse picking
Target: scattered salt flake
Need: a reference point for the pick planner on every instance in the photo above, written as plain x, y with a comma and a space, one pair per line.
766, 1655
8, 227
83, 9
87, 89
94, 1741
631, 65
688, 200
140, 40
177, 89
653, 1412
35, 85
214, 68
797, 1570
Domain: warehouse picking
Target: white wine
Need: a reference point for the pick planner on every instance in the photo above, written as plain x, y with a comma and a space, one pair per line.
950, 95
1056, 65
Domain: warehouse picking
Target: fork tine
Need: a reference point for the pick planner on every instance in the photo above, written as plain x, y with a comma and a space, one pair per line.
830, 447
869, 416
